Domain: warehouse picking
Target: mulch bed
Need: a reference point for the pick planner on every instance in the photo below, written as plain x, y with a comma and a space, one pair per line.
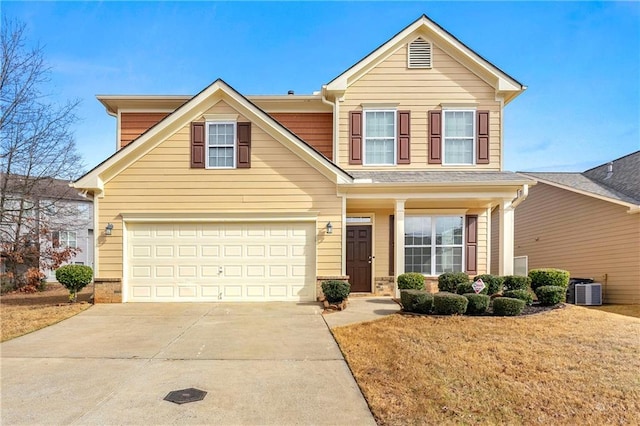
55, 294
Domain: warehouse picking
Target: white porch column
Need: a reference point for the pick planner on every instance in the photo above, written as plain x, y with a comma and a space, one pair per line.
399, 243
505, 257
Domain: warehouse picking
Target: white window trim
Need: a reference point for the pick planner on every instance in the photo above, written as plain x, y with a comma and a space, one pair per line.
444, 136
433, 246
207, 147
65, 243
395, 137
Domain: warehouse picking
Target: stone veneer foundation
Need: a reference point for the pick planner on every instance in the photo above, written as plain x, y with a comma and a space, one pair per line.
107, 290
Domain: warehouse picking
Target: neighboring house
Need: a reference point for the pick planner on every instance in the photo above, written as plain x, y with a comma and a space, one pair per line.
31, 206
587, 223
395, 165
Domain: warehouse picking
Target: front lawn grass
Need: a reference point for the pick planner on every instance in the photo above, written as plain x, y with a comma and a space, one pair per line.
568, 366
628, 310
24, 313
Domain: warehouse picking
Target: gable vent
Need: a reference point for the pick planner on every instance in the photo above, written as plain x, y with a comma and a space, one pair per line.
420, 53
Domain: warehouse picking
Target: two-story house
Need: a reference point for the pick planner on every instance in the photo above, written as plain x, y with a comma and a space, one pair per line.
393, 166
47, 214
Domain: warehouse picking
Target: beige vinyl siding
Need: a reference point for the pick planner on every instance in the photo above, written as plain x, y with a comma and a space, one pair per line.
277, 182
133, 124
495, 240
590, 238
421, 90
381, 243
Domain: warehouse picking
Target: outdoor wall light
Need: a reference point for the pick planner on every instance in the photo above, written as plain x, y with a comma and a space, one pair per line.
108, 229
329, 228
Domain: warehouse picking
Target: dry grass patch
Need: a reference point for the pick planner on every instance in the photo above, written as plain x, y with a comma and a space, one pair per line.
628, 310
568, 366
24, 313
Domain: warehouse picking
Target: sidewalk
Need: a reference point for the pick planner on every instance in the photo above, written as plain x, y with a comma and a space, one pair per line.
361, 309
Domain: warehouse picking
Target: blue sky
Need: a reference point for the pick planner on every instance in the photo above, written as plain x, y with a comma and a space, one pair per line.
580, 60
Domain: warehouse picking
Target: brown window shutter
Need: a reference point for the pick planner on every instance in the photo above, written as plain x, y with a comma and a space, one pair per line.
355, 137
197, 146
55, 239
472, 244
392, 245
482, 138
244, 146
404, 137
435, 137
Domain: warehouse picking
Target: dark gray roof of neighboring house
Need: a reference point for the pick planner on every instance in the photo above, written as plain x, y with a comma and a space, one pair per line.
44, 188
623, 184
427, 177
625, 177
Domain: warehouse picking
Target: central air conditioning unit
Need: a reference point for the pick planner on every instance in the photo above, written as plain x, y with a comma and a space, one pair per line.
589, 294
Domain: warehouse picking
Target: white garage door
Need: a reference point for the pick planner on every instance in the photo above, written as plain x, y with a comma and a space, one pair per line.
220, 262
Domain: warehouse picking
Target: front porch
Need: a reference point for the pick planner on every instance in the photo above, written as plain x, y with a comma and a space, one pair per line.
426, 228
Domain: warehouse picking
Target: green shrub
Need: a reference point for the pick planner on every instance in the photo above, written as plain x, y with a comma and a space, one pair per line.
449, 281
507, 306
74, 278
411, 281
548, 276
445, 303
335, 290
516, 282
465, 288
494, 283
549, 295
525, 295
418, 301
478, 303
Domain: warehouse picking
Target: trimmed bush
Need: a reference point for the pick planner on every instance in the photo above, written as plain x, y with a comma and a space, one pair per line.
548, 276
449, 281
445, 303
418, 301
411, 281
549, 295
494, 283
467, 288
335, 291
74, 278
478, 303
507, 306
525, 295
516, 282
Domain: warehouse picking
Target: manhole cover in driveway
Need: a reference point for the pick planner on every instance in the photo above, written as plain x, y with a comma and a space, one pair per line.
185, 395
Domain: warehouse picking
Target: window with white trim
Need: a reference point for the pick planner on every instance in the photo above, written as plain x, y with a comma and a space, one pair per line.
433, 244
221, 145
379, 137
68, 239
459, 136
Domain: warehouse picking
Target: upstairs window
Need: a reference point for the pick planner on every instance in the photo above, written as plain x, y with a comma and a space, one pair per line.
221, 145
65, 239
379, 137
419, 53
459, 136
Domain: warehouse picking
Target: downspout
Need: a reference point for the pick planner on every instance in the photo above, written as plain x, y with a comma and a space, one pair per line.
335, 111
522, 195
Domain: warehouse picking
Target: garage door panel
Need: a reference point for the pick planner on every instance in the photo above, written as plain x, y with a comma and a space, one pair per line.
141, 272
214, 261
187, 251
164, 251
210, 291
141, 291
164, 271
165, 291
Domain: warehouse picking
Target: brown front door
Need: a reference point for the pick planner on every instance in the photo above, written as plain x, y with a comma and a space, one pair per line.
359, 257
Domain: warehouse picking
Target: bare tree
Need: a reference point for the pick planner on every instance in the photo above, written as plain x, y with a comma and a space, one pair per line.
36, 145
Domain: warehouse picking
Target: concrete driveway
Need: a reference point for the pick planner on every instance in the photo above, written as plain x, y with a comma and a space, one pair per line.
271, 363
